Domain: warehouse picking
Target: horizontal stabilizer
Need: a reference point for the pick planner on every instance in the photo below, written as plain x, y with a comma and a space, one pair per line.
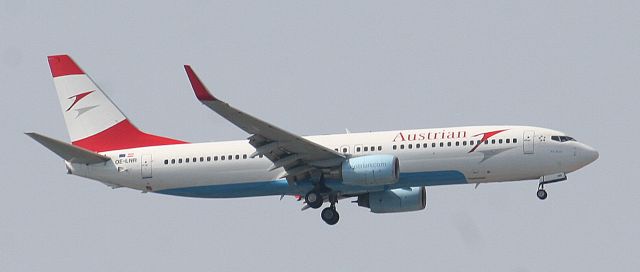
67, 151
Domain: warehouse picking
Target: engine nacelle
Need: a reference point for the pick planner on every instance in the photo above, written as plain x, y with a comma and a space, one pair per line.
371, 170
396, 200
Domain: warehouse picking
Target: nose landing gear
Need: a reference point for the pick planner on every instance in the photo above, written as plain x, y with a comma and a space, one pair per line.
542, 194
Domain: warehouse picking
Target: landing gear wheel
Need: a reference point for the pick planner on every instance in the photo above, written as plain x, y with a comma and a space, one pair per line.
314, 199
542, 194
330, 215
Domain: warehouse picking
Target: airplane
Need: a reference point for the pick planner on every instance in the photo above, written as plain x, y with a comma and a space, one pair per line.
386, 171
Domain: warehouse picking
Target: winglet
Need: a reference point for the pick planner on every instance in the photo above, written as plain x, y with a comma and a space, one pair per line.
198, 88
63, 65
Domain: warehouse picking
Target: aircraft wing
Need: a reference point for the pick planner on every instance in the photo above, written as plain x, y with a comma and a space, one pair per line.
299, 157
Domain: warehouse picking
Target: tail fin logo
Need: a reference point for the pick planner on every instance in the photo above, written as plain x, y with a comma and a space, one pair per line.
76, 98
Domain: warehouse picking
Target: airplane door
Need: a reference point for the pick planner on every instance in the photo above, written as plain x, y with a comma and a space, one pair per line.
146, 166
528, 141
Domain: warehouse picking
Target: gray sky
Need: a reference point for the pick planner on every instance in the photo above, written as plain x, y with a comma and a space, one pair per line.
317, 67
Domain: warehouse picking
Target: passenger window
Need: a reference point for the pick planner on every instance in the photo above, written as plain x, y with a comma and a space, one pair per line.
508, 140
195, 159
373, 148
433, 145
401, 146
358, 149
486, 142
237, 157
230, 157
335, 149
379, 148
493, 141
173, 161
417, 145
166, 161
464, 143
244, 156
344, 150
441, 144
201, 159
457, 143
208, 158
471, 142
500, 141
425, 145
395, 147
410, 146
222, 158
215, 158
179, 160
366, 148
515, 141
186, 160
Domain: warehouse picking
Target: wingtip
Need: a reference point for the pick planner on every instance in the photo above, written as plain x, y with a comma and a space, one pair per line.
201, 91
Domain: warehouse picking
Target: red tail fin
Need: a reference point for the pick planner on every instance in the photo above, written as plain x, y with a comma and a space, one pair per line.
93, 121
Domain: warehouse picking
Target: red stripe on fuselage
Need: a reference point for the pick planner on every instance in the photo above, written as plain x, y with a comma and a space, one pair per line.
123, 135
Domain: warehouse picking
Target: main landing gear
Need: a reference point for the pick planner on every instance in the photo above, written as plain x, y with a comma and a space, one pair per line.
330, 215
315, 199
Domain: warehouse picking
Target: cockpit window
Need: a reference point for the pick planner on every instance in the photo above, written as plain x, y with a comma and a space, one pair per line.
562, 139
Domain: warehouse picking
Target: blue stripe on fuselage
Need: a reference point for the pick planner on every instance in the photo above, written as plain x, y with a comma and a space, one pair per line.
281, 187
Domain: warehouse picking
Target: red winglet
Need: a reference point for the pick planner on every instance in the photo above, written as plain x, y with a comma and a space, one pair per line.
201, 91
63, 65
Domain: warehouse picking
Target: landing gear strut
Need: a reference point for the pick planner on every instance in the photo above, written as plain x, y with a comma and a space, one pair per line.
542, 194
329, 214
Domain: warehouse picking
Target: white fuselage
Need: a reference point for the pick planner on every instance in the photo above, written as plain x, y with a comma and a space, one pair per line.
427, 157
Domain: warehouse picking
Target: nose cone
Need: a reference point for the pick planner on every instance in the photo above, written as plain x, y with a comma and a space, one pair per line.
587, 155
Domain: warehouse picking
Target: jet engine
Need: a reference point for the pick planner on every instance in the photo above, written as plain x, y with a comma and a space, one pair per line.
371, 170
396, 200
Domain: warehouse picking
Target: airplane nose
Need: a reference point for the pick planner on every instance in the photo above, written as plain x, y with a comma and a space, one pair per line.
589, 154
